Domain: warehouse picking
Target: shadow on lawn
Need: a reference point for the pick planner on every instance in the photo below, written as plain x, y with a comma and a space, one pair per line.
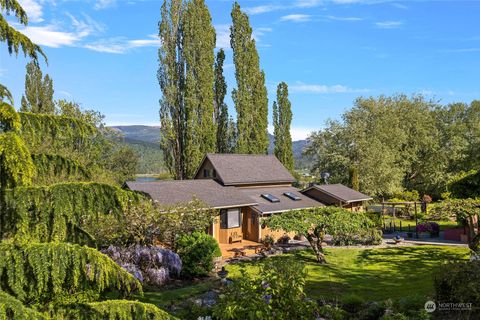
376, 274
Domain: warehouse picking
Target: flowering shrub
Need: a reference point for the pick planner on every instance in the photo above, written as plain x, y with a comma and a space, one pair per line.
431, 227
149, 264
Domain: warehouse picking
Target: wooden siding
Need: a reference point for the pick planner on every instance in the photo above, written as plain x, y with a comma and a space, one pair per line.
207, 165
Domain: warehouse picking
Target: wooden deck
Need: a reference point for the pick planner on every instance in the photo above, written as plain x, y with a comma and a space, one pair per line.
246, 247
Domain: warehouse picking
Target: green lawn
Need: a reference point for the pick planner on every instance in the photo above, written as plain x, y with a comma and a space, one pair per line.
374, 274
405, 223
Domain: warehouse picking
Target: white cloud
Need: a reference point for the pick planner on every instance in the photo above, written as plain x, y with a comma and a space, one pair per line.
103, 4
223, 36
56, 35
263, 9
3, 72
121, 45
297, 133
344, 18
49, 36
323, 89
463, 50
388, 24
296, 17
400, 6
33, 10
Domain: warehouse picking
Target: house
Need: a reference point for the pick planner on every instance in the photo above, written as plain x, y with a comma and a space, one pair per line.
338, 195
244, 188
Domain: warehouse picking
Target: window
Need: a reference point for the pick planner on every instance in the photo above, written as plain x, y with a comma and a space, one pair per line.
214, 173
230, 218
292, 196
206, 173
270, 197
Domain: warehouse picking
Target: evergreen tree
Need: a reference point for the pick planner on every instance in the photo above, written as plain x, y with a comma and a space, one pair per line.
282, 118
250, 96
221, 109
198, 45
186, 78
38, 96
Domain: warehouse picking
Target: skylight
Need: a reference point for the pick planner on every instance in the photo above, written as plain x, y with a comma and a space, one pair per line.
270, 197
292, 196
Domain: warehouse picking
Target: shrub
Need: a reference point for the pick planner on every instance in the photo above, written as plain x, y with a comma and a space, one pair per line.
352, 303
268, 241
149, 264
331, 312
431, 227
458, 282
369, 236
197, 251
277, 293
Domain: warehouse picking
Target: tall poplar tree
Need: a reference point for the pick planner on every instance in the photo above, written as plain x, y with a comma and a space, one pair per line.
221, 109
198, 45
186, 78
282, 118
38, 96
250, 96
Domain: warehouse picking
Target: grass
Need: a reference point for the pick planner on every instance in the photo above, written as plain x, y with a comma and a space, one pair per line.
405, 223
373, 274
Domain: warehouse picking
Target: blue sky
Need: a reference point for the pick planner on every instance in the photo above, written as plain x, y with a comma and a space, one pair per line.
103, 53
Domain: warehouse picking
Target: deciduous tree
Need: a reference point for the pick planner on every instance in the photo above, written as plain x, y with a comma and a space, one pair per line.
250, 96
221, 109
282, 118
186, 78
316, 223
38, 96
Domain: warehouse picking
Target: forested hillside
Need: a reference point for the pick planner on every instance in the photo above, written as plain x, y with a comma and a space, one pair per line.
145, 141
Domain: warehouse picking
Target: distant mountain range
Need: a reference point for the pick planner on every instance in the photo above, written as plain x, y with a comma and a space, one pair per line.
148, 137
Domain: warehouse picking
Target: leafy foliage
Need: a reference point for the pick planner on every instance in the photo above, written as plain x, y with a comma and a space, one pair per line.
11, 308
316, 223
124, 310
148, 223
197, 251
250, 96
467, 186
282, 118
42, 273
57, 132
277, 293
16, 40
458, 282
52, 165
57, 212
16, 166
186, 79
5, 94
149, 264
9, 119
399, 143
38, 96
467, 212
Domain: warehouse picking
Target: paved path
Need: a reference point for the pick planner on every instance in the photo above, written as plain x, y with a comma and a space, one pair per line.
428, 241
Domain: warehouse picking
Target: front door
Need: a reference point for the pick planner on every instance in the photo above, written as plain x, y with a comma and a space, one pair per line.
250, 225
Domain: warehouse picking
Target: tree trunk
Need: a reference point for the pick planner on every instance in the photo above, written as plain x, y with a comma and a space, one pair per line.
316, 244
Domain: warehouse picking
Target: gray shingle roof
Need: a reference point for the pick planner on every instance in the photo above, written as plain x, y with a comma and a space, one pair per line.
265, 206
237, 169
177, 191
341, 192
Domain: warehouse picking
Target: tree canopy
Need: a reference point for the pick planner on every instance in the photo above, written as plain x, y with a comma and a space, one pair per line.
250, 95
316, 223
282, 118
399, 142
